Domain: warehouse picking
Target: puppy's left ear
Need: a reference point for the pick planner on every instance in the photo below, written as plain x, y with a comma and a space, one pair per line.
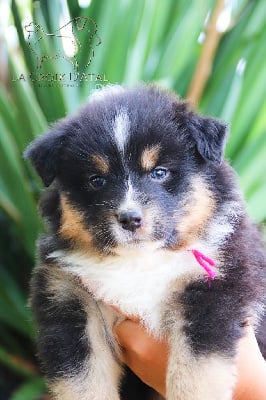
207, 134
210, 137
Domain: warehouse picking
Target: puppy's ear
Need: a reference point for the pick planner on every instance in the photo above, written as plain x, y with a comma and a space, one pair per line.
44, 154
210, 137
208, 134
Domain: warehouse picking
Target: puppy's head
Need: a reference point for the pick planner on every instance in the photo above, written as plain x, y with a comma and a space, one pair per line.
130, 169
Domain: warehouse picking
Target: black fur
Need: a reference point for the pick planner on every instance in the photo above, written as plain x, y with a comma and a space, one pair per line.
62, 342
186, 146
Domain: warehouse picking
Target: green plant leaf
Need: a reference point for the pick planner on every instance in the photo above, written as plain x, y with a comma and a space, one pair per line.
31, 390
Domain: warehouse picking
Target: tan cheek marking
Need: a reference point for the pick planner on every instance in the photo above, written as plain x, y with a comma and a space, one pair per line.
100, 163
197, 212
150, 157
72, 227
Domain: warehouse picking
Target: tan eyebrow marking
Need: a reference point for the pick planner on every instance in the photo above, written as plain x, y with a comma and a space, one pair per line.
150, 157
100, 163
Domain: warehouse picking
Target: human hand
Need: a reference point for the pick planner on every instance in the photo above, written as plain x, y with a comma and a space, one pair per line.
251, 368
147, 357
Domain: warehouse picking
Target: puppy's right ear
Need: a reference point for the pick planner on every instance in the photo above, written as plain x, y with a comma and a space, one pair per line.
45, 154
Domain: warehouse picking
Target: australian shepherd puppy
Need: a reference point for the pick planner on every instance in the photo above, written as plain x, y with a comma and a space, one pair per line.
143, 214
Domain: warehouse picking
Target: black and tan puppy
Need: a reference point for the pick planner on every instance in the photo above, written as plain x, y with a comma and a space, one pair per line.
143, 213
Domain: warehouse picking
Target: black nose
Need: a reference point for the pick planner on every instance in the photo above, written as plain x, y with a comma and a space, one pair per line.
130, 220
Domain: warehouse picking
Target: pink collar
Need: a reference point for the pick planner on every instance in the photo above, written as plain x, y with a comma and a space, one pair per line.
205, 262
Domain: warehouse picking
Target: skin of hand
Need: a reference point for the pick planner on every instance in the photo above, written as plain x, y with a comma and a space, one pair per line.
147, 357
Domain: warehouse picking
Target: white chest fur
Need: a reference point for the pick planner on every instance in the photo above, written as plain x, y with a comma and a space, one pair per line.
137, 282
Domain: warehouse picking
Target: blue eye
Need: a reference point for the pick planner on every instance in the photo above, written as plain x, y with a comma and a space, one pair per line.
159, 173
97, 181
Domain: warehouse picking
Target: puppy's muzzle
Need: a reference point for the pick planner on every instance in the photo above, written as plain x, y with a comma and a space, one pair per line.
130, 220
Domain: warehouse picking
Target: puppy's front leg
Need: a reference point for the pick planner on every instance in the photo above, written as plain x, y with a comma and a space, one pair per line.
203, 340
99, 376
74, 340
192, 377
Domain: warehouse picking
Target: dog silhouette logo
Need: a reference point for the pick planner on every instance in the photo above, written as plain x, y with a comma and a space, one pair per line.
77, 35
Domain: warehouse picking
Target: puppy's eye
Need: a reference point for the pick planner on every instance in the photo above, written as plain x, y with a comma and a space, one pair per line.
159, 173
97, 181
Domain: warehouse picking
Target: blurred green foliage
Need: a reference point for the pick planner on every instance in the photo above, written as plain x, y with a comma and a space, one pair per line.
153, 41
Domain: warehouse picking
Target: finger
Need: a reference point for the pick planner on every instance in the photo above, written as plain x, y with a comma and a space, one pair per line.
129, 333
145, 355
137, 342
127, 316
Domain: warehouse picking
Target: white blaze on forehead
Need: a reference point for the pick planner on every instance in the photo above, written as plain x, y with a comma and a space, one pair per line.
121, 127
